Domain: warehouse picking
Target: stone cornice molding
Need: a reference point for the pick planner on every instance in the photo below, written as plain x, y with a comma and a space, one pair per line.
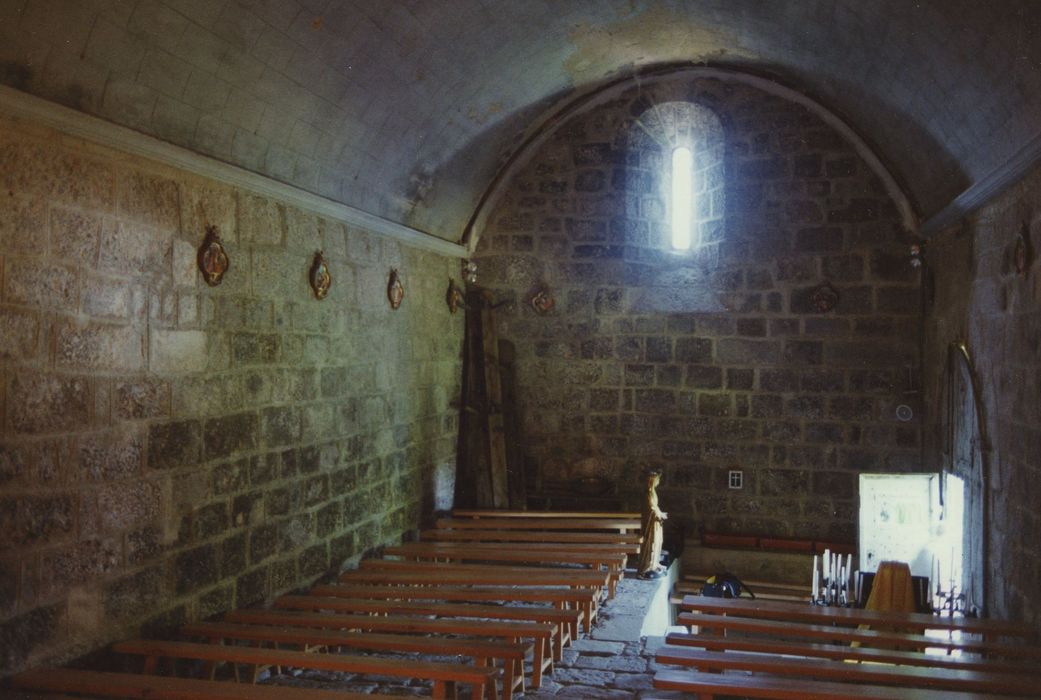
35, 110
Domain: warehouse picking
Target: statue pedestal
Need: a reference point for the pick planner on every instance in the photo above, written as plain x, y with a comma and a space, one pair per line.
640, 608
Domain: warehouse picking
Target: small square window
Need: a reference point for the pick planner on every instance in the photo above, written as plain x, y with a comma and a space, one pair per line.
736, 479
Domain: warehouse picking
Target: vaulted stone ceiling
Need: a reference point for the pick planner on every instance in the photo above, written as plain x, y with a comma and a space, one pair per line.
406, 108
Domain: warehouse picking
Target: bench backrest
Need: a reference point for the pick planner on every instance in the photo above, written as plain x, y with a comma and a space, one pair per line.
773, 688
911, 676
410, 668
862, 636
434, 551
423, 607
796, 612
579, 524
413, 589
422, 573
356, 640
393, 623
540, 514
492, 571
715, 642
500, 535
147, 687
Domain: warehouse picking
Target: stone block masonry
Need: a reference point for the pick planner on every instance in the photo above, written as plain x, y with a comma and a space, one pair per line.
699, 362
981, 299
170, 450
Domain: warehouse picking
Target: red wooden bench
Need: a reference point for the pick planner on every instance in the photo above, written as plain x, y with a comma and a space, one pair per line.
142, 687
541, 633
445, 677
482, 651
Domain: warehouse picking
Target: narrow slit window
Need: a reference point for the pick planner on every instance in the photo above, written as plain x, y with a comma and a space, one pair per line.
682, 191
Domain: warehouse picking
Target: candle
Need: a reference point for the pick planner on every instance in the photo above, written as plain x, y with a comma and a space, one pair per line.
849, 565
856, 584
814, 578
827, 564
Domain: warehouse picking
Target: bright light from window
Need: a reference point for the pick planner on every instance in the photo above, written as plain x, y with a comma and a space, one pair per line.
682, 207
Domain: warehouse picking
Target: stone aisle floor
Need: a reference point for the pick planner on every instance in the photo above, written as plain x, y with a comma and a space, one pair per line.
612, 663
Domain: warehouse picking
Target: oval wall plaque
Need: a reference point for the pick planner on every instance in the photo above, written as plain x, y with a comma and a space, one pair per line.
212, 258
320, 277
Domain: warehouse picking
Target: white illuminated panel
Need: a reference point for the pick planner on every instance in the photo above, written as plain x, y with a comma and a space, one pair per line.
682, 206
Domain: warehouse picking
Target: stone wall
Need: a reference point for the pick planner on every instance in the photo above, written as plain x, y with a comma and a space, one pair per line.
170, 451
714, 359
981, 299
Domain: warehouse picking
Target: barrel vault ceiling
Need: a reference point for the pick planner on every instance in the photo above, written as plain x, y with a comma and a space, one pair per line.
406, 108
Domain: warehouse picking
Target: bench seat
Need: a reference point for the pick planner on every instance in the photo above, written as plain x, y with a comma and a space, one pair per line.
531, 546
796, 612
841, 652
564, 621
620, 525
541, 633
444, 676
709, 685
541, 514
612, 561
140, 687
849, 635
542, 537
880, 674
497, 573
411, 587
482, 651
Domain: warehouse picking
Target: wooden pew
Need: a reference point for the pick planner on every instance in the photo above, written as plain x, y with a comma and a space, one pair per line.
483, 652
419, 587
709, 685
878, 674
481, 573
140, 687
849, 635
613, 562
816, 614
843, 652
620, 525
373, 601
541, 633
444, 676
539, 536
458, 538
691, 584
541, 514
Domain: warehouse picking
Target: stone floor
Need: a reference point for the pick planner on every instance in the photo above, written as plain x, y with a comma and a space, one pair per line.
612, 662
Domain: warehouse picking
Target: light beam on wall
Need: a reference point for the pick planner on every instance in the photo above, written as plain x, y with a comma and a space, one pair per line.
682, 206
